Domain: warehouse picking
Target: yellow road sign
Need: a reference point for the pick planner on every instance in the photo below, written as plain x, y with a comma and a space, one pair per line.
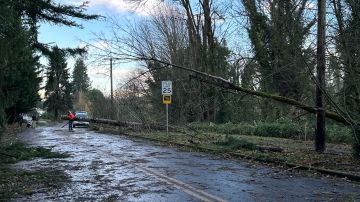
167, 99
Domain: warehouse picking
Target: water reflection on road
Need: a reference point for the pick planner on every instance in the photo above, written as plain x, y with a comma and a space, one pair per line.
112, 167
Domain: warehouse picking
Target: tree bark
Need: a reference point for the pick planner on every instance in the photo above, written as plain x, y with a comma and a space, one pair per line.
320, 85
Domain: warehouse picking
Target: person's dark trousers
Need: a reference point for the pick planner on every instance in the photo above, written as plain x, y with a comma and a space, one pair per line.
71, 125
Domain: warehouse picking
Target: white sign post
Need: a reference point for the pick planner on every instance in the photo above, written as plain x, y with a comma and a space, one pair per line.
166, 90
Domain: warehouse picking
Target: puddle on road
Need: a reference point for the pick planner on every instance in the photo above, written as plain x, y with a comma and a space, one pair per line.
105, 167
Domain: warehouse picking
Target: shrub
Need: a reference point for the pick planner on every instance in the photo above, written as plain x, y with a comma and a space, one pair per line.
339, 134
281, 128
278, 129
232, 143
48, 116
227, 128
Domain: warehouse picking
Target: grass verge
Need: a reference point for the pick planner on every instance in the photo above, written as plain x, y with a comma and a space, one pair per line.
280, 128
19, 152
16, 183
288, 152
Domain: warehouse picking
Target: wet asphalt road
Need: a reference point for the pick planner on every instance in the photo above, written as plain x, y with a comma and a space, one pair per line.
106, 167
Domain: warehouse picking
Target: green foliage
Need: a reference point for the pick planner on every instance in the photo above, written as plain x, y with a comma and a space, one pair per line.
283, 129
356, 150
27, 183
227, 128
19, 81
345, 65
94, 95
48, 116
277, 34
15, 182
18, 152
339, 134
98, 103
19, 69
356, 142
278, 129
81, 81
58, 88
49, 11
234, 143
348, 47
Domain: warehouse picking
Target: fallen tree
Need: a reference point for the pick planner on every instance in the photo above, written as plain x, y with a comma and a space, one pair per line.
223, 83
132, 125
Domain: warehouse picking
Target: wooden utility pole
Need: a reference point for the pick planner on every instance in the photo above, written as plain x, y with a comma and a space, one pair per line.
111, 90
320, 85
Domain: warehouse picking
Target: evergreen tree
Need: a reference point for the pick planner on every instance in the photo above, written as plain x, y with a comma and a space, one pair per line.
19, 68
97, 103
19, 81
348, 45
48, 11
81, 81
277, 36
58, 87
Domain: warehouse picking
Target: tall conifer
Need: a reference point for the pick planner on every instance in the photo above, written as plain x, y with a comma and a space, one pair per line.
81, 81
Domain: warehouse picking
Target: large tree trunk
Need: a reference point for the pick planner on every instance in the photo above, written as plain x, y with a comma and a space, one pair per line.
320, 85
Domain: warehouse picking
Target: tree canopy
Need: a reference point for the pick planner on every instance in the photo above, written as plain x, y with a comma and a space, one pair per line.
58, 88
19, 49
81, 80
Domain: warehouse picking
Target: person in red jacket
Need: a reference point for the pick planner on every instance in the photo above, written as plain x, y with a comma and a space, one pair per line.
71, 120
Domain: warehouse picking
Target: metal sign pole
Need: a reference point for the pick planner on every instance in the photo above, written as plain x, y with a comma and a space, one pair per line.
166, 91
167, 118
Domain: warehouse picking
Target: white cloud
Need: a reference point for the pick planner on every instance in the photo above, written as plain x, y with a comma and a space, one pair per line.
101, 72
100, 77
102, 44
140, 7
96, 47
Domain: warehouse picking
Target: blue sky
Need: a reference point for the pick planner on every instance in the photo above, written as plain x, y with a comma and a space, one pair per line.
123, 11
72, 37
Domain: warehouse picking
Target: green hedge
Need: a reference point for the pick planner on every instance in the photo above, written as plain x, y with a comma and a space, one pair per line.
339, 134
281, 128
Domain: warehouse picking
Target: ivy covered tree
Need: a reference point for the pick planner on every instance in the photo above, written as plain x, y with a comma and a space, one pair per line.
347, 43
347, 65
277, 36
58, 88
